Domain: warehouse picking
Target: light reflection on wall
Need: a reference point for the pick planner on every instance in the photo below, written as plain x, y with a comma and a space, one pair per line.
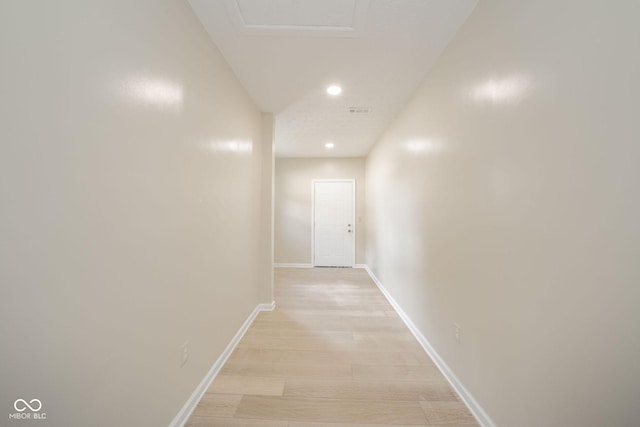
419, 145
153, 92
507, 89
239, 147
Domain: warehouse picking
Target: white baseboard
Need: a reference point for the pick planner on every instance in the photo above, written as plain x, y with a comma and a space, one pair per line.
181, 418
481, 416
291, 265
297, 265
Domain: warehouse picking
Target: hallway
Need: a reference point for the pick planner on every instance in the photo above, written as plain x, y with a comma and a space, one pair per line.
158, 160
333, 352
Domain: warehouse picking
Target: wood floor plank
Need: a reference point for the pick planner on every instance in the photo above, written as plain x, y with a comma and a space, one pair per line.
244, 384
200, 421
355, 312
337, 342
448, 414
306, 424
217, 405
314, 357
322, 410
329, 303
343, 336
438, 390
310, 424
392, 338
287, 370
398, 373
338, 323
386, 340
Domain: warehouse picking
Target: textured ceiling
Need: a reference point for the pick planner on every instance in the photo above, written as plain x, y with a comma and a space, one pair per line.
286, 52
296, 13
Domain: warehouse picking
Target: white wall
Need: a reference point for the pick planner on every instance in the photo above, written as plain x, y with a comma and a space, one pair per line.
292, 202
130, 168
506, 198
267, 208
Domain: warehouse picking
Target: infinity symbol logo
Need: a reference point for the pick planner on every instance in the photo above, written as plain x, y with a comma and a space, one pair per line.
26, 405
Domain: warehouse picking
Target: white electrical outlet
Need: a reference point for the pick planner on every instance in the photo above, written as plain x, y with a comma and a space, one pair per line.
458, 333
184, 353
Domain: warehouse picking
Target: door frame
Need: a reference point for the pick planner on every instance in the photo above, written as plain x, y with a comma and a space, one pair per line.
313, 217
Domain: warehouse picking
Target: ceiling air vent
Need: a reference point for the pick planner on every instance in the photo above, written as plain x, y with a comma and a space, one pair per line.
359, 110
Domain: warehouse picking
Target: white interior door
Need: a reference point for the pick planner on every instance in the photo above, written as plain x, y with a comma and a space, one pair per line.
333, 225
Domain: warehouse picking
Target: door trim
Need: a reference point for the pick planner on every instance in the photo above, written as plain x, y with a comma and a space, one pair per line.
313, 217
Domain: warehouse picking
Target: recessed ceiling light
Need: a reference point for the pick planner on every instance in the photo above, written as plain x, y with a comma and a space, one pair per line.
329, 145
334, 90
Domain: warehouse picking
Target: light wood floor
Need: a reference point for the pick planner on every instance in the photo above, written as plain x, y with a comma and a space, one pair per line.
332, 353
